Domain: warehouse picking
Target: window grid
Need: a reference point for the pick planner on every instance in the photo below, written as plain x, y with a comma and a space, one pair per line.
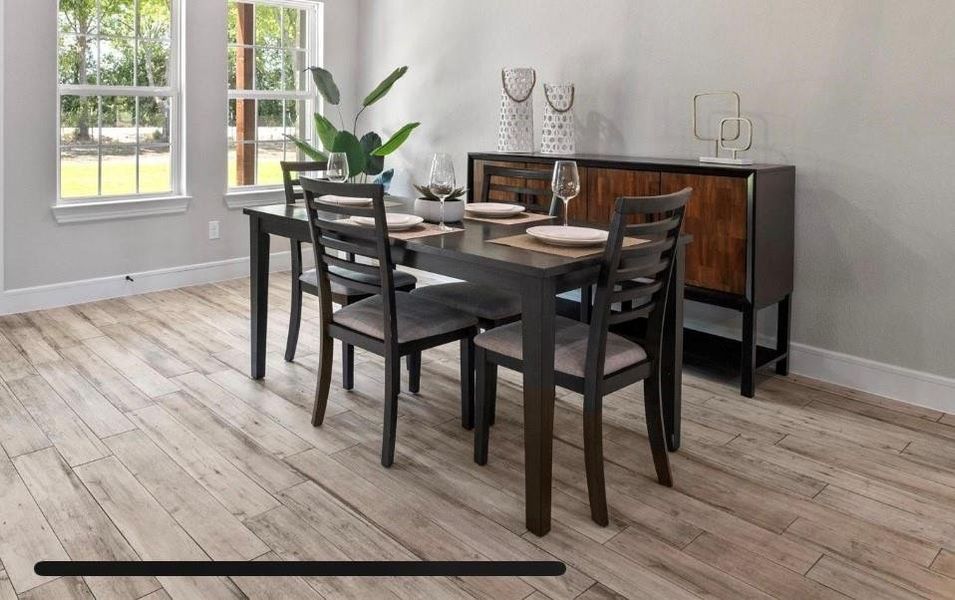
134, 91
289, 95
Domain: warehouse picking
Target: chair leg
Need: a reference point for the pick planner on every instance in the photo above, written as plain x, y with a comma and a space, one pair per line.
594, 456
325, 357
414, 372
392, 388
486, 382
467, 382
655, 430
348, 366
294, 320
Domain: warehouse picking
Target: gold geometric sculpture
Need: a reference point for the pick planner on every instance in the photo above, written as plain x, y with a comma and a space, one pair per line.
719, 142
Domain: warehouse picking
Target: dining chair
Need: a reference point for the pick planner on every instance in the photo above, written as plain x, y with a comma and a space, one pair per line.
591, 360
307, 282
492, 307
515, 183
389, 322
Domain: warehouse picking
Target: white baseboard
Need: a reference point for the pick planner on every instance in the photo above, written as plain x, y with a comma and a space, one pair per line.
116, 286
882, 379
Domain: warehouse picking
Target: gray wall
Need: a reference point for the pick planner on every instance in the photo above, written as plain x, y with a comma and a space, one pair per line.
859, 95
39, 251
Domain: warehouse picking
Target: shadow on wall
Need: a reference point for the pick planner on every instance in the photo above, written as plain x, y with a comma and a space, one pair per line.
597, 133
867, 256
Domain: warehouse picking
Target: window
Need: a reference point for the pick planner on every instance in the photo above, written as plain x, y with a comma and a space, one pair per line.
271, 43
118, 94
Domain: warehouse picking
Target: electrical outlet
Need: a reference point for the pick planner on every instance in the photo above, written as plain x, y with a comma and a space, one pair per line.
213, 230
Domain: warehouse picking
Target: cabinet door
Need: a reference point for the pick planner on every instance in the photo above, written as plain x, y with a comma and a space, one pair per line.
716, 218
606, 185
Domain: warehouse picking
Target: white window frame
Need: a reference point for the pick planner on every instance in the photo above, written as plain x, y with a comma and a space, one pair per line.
254, 195
100, 207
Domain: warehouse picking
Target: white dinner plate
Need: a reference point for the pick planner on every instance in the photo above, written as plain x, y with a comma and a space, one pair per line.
396, 221
558, 235
345, 200
493, 209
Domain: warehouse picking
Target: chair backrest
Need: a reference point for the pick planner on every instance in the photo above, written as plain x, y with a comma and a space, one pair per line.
637, 277
534, 199
290, 170
333, 232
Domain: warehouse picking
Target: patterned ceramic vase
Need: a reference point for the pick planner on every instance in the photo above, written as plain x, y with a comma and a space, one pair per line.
559, 136
516, 132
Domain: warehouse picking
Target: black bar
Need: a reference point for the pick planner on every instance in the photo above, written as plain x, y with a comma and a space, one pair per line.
300, 569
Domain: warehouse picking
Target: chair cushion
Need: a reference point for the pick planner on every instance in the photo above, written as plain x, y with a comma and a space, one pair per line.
402, 280
570, 352
417, 317
479, 300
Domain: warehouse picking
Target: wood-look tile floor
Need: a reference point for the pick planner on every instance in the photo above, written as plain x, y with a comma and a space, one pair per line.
130, 430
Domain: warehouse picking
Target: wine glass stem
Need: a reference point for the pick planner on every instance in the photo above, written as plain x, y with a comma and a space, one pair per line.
566, 211
443, 198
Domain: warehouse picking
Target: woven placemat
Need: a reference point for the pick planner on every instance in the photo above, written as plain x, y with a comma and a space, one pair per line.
420, 231
527, 242
517, 220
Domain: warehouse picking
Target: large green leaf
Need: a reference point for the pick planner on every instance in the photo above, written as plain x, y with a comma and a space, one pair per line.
326, 131
326, 85
384, 87
370, 142
346, 142
308, 149
396, 140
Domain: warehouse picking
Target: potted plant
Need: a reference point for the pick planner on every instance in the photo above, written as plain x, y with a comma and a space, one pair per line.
366, 156
428, 206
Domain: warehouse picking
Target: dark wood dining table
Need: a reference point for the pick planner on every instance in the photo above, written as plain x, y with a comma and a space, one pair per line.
538, 278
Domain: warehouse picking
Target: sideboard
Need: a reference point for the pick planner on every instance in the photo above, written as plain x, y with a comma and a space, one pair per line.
740, 218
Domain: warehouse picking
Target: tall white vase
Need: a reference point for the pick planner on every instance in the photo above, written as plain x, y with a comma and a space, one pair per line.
559, 134
516, 133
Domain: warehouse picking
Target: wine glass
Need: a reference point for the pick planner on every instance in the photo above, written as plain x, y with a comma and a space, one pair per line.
565, 183
441, 182
337, 168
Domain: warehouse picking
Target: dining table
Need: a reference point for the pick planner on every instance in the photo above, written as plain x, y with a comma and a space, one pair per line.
538, 277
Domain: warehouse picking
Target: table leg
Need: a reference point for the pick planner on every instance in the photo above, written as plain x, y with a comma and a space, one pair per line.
259, 275
539, 306
672, 356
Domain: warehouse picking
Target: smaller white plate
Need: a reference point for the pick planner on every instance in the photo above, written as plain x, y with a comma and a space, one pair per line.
558, 235
396, 221
493, 209
345, 200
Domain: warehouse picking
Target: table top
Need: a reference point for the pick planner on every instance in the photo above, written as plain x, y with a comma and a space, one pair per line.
469, 246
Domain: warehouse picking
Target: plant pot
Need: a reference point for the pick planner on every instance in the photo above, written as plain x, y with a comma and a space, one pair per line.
430, 211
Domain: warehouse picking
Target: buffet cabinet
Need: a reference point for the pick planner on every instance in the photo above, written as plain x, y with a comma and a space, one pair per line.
740, 219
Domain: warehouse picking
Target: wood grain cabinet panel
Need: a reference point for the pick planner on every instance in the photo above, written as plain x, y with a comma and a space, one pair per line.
606, 185
716, 218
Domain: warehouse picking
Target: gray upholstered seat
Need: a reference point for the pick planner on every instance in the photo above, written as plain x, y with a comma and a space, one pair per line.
479, 300
402, 280
417, 317
570, 352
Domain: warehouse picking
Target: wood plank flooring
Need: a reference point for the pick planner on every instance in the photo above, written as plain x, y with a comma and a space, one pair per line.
130, 430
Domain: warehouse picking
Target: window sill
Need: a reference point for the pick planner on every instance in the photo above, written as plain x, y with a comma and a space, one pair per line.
127, 208
249, 198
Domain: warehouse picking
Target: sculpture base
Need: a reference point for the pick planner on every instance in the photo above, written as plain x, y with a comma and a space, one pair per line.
726, 161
